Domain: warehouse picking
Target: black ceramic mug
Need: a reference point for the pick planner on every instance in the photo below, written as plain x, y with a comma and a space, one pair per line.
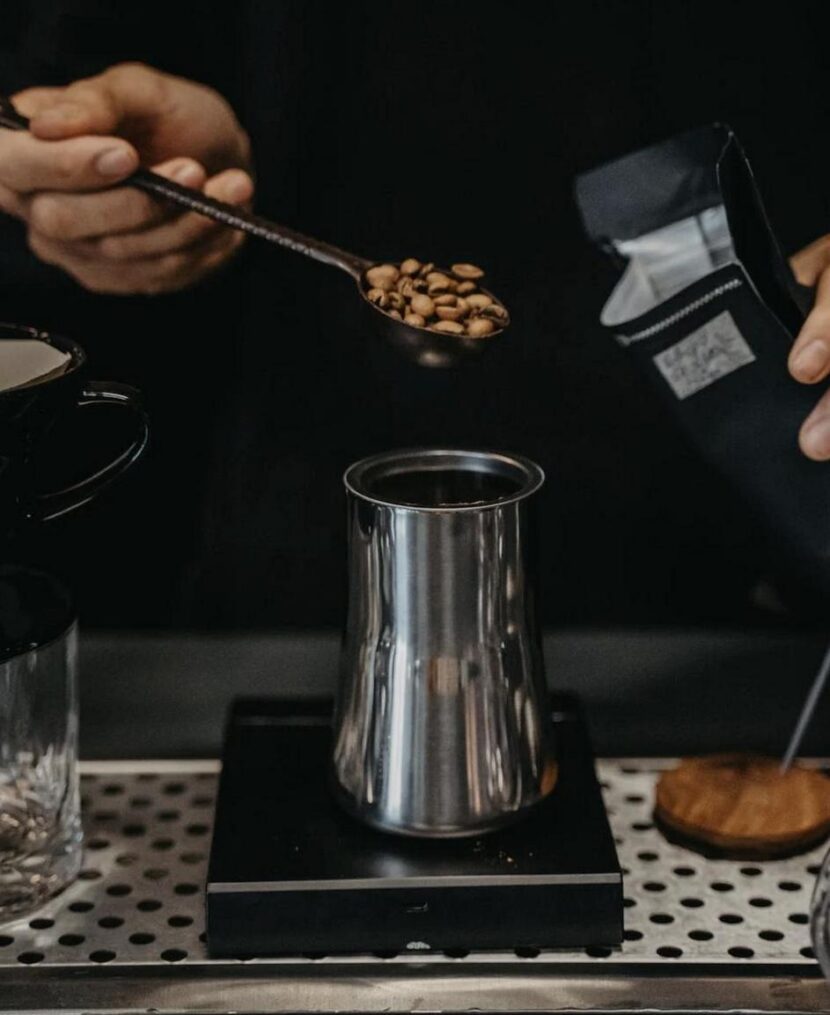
29, 411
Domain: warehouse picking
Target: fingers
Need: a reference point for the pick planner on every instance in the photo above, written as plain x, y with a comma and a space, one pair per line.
101, 104
809, 359
814, 437
148, 276
31, 101
11, 202
233, 186
81, 163
810, 262
159, 255
70, 217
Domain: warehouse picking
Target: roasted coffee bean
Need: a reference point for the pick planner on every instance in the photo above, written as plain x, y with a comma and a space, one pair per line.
423, 296
495, 312
467, 271
449, 313
478, 301
453, 311
478, 327
448, 327
423, 305
438, 288
383, 276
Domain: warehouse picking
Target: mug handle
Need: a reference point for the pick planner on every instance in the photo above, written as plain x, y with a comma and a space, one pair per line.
60, 502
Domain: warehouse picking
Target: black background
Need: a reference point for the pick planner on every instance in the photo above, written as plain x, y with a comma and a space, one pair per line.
451, 131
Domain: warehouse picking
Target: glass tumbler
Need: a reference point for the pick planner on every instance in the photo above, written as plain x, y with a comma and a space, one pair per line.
40, 821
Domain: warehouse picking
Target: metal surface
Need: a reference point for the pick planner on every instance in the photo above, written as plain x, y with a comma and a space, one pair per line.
820, 916
441, 724
424, 346
128, 936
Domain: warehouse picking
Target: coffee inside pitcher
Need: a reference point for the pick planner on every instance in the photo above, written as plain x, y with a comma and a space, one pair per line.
28, 361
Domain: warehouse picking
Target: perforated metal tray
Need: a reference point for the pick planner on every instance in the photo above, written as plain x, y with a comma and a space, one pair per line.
129, 934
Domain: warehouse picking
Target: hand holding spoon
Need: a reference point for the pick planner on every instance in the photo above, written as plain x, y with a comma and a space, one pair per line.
420, 343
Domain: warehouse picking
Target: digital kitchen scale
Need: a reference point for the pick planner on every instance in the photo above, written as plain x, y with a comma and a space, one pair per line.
290, 872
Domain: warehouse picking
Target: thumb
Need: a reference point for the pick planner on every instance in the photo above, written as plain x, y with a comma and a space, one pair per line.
101, 104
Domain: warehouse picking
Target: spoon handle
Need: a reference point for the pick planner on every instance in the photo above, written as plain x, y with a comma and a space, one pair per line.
219, 211
247, 222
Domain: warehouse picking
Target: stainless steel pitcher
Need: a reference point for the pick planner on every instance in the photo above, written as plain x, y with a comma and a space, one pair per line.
441, 726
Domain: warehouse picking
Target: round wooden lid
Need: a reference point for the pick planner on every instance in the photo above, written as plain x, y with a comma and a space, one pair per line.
744, 804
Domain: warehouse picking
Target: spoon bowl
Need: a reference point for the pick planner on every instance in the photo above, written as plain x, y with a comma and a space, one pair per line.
424, 346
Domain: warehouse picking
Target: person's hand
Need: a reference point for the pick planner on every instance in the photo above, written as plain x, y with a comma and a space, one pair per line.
60, 178
809, 360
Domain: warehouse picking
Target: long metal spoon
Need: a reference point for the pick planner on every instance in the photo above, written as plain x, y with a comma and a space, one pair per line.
428, 348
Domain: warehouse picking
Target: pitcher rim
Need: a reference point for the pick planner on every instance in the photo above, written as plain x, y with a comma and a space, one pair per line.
533, 473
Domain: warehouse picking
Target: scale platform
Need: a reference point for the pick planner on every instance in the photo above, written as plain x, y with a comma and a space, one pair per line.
291, 873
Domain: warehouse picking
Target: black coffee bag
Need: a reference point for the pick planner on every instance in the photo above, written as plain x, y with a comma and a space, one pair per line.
708, 306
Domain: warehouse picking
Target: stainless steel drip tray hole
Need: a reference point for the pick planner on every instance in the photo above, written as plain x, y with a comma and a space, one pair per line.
140, 899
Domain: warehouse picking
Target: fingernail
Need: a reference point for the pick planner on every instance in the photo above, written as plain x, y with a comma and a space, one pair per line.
815, 440
811, 361
115, 162
189, 174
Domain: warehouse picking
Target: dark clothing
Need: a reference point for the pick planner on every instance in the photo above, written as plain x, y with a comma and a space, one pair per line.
448, 132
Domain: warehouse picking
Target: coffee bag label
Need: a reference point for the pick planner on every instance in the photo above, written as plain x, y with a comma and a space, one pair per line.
705, 356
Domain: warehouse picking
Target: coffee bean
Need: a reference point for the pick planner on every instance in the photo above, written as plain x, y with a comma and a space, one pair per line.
423, 305
449, 313
478, 327
384, 276
467, 271
448, 327
425, 297
495, 312
452, 312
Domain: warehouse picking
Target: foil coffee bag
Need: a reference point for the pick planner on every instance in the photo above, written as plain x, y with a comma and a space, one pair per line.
708, 306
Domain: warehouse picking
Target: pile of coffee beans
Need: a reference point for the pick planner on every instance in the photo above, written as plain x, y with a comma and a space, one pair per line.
422, 296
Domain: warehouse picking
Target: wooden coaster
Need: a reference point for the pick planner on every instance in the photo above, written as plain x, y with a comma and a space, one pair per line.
743, 805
